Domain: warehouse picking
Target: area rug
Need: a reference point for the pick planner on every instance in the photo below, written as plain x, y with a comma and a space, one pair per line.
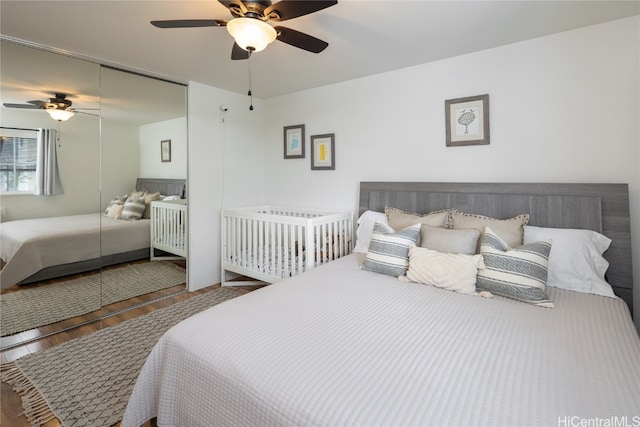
87, 381
34, 307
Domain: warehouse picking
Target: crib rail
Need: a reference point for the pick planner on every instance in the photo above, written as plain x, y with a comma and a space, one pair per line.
169, 229
271, 243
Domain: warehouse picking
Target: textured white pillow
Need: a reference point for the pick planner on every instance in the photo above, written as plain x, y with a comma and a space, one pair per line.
365, 228
456, 272
575, 260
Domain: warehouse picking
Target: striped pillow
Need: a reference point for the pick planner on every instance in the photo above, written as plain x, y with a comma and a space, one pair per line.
519, 273
133, 208
389, 251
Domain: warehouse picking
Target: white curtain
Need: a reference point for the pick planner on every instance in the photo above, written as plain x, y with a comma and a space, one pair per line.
47, 175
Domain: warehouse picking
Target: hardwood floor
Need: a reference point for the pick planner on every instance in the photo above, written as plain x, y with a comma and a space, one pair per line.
10, 402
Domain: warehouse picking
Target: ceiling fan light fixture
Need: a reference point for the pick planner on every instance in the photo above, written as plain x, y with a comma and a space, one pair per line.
60, 115
251, 34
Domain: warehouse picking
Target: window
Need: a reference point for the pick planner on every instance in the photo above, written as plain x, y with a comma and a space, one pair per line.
18, 153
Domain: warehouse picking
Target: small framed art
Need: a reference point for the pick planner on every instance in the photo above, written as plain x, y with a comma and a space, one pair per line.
323, 153
467, 120
294, 142
165, 150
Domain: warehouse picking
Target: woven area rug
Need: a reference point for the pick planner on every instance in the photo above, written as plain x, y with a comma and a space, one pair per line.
87, 381
34, 307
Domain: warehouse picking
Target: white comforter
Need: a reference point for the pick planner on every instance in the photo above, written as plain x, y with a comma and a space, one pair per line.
342, 346
28, 246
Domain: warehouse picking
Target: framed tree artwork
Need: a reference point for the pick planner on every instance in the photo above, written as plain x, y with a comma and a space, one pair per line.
165, 150
467, 120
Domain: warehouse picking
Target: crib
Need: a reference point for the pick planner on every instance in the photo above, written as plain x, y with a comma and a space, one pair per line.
168, 229
270, 243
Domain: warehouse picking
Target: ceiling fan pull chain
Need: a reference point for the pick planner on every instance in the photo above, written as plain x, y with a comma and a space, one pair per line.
250, 84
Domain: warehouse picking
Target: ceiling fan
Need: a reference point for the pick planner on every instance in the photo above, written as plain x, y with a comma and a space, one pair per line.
58, 107
250, 29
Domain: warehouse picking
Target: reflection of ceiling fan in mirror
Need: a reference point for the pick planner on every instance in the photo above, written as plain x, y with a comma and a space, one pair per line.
58, 107
250, 29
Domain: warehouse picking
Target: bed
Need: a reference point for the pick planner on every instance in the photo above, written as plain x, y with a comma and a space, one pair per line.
343, 345
270, 243
39, 249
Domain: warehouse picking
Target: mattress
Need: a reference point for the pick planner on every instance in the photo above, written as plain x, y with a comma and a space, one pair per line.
342, 346
30, 245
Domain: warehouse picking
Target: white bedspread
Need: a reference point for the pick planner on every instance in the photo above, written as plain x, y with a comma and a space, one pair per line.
28, 246
342, 346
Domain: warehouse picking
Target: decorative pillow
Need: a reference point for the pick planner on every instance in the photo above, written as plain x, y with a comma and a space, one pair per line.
460, 241
575, 261
389, 251
114, 211
365, 227
133, 209
400, 219
455, 272
135, 194
148, 198
510, 230
118, 200
519, 273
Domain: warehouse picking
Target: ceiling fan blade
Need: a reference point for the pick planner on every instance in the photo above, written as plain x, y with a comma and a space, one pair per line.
38, 103
189, 23
238, 53
300, 40
288, 9
25, 106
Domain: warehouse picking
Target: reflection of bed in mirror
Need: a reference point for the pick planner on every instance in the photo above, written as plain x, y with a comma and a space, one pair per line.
39, 249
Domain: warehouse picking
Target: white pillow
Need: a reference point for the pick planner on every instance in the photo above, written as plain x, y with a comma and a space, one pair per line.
575, 260
456, 272
365, 228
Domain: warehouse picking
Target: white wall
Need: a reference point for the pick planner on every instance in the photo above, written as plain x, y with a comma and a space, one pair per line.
564, 108
151, 165
226, 168
119, 159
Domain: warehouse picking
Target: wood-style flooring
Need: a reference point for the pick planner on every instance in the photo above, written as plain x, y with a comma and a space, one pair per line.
10, 403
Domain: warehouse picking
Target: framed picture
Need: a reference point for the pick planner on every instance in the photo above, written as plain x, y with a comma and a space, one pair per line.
467, 120
323, 152
165, 150
294, 142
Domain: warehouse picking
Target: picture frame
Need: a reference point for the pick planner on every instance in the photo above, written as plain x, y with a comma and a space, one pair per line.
294, 142
323, 152
165, 150
467, 121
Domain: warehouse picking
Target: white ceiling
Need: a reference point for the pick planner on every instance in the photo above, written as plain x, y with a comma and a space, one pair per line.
365, 37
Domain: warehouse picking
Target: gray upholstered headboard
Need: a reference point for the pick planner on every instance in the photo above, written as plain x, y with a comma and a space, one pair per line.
600, 207
165, 186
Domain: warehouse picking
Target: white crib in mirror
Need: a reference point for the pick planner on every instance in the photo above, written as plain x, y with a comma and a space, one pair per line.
168, 229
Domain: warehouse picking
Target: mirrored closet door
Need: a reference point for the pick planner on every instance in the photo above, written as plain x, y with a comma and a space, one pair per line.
68, 255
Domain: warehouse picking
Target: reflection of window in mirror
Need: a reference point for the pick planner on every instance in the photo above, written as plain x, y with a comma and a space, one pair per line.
18, 155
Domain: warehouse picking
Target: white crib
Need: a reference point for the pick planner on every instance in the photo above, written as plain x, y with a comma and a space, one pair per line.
269, 243
169, 229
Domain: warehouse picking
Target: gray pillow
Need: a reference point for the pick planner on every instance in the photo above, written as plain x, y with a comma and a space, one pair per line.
133, 208
454, 241
389, 250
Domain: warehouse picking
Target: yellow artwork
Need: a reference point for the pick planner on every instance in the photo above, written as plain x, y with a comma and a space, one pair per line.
323, 155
